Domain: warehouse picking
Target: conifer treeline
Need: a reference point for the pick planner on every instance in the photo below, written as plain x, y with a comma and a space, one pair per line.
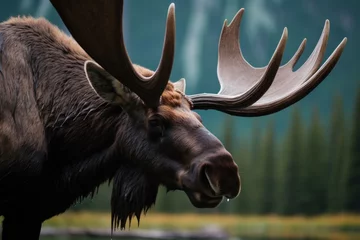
313, 169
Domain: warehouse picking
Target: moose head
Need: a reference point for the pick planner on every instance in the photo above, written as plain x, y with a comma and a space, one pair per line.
168, 140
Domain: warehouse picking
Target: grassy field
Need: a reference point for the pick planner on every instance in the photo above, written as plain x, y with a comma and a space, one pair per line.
329, 226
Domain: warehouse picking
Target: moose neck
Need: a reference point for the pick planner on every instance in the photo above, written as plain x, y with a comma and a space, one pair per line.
81, 129
78, 124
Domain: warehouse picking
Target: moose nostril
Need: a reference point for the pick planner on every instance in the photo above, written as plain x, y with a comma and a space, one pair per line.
209, 180
225, 171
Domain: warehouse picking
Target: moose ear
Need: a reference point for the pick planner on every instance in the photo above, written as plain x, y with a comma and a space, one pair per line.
180, 85
105, 85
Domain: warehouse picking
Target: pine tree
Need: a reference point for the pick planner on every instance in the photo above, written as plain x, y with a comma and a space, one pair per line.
336, 156
315, 174
353, 179
344, 173
267, 170
292, 166
256, 171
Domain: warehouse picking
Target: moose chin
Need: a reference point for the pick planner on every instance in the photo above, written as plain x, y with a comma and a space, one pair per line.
76, 112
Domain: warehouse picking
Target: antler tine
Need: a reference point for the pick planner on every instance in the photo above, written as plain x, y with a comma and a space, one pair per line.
92, 22
289, 87
241, 84
313, 62
292, 62
310, 84
286, 88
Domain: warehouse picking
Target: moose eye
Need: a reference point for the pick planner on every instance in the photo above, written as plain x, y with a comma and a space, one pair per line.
155, 122
156, 128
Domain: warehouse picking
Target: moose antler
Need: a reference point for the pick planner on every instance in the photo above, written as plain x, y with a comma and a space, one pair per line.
97, 27
247, 91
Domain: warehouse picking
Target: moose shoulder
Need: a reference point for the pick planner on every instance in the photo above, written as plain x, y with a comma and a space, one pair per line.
76, 113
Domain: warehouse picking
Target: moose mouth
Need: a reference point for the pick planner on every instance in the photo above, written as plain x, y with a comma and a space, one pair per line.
201, 200
202, 192
210, 178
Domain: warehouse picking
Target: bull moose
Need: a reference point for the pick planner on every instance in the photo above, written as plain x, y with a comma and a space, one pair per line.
76, 112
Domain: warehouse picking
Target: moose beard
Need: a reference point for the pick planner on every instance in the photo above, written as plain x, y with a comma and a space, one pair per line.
133, 193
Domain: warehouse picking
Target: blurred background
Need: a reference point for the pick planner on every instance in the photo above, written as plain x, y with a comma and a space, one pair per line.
300, 167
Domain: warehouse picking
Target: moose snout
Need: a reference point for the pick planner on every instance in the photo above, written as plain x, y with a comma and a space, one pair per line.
219, 175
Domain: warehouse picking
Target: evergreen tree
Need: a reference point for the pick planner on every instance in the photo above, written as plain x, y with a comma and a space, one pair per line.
315, 175
336, 156
344, 173
256, 172
267, 170
353, 178
292, 166
279, 178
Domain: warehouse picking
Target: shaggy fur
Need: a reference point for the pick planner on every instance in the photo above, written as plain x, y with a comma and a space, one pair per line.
134, 193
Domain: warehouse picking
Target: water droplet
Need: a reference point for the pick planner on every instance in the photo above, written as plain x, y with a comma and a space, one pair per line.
227, 200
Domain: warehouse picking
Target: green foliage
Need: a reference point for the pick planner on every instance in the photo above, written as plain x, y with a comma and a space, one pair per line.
293, 161
337, 157
353, 180
266, 172
253, 175
316, 173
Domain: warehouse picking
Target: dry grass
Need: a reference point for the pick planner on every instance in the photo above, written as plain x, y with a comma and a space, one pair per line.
327, 226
